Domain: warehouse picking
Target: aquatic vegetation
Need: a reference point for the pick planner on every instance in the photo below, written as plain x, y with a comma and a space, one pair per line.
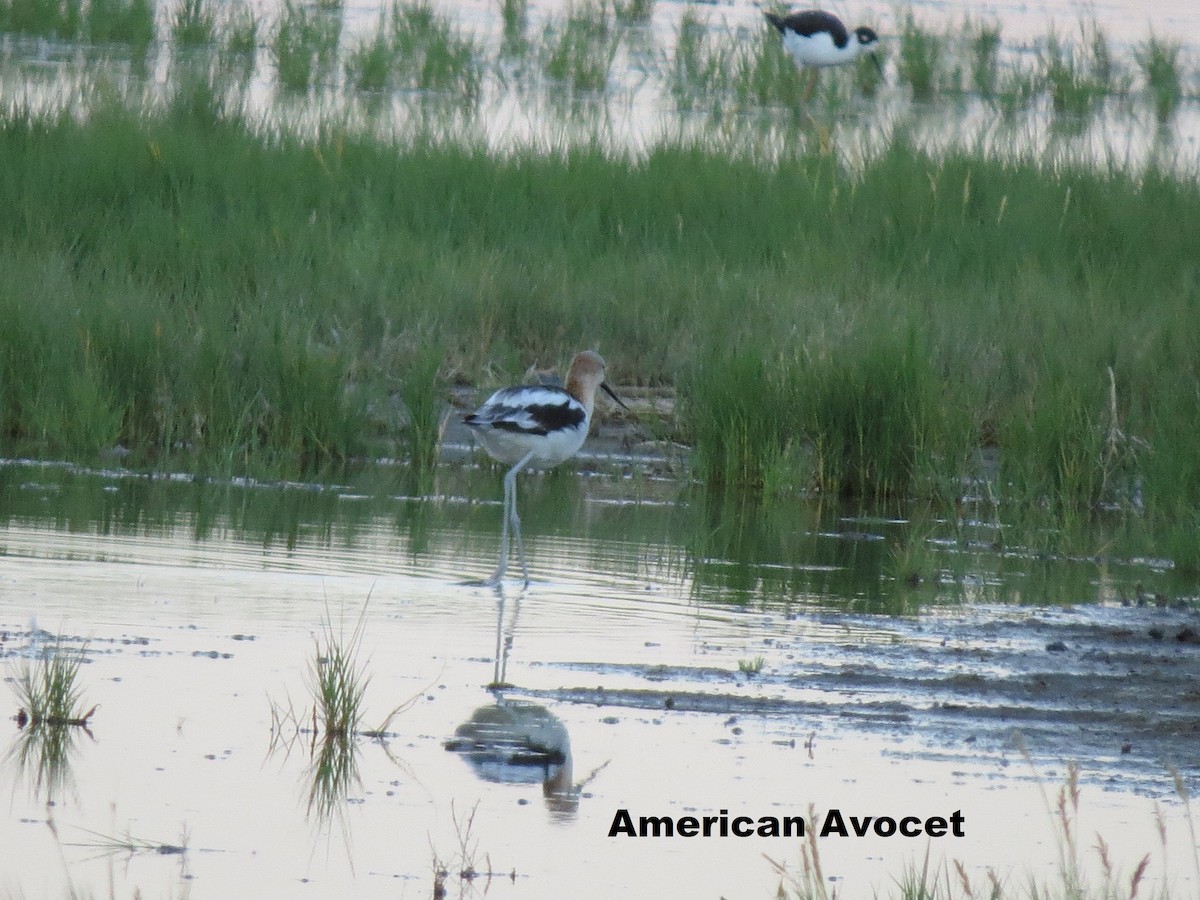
1076, 878
732, 405
751, 666
45, 18
578, 53
424, 400
1159, 61
239, 29
120, 22
194, 23
920, 59
237, 294
51, 717
984, 44
1075, 78
514, 16
48, 690
698, 67
304, 45
337, 681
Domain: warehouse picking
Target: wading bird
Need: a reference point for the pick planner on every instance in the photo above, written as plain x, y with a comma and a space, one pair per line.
540, 425
817, 39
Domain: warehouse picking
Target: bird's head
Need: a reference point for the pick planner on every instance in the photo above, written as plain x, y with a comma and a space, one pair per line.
868, 42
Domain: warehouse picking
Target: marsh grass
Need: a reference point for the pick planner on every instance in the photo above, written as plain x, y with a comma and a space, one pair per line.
127, 843
514, 18
305, 44
51, 717
414, 47
698, 67
236, 302
920, 60
194, 24
120, 22
424, 401
751, 666
1077, 75
239, 30
46, 18
464, 864
984, 41
577, 53
763, 75
337, 681
1159, 62
734, 404
48, 690
1076, 878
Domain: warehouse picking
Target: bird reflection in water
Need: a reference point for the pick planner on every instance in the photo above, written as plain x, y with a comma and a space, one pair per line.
518, 741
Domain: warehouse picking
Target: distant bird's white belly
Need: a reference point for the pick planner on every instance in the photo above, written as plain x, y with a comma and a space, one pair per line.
818, 50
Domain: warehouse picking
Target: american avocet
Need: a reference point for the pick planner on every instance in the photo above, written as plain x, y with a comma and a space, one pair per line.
538, 424
816, 39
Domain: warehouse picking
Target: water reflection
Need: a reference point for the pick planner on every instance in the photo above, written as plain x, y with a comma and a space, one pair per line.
332, 774
516, 741
45, 755
724, 549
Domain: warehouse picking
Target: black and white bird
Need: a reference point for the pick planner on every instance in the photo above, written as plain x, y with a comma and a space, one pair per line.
816, 39
537, 424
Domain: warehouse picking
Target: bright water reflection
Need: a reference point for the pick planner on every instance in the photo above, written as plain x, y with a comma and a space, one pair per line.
676, 654
518, 106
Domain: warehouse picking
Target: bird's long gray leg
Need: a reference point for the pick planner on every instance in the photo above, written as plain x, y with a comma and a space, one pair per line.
516, 520
510, 514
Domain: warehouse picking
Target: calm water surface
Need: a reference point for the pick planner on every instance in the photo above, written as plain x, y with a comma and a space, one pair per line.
198, 604
518, 108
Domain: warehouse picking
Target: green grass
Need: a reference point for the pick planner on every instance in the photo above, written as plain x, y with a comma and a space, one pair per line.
1074, 77
304, 46
751, 666
48, 690
189, 287
1083, 872
1159, 61
985, 44
120, 22
577, 53
414, 47
920, 59
337, 681
194, 23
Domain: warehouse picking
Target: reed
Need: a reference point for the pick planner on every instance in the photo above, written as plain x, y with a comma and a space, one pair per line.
514, 17
193, 24
304, 46
1159, 61
920, 59
984, 40
237, 300
1074, 78
120, 22
578, 53
48, 690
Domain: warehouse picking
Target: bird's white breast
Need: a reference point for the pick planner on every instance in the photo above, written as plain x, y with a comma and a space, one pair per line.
818, 49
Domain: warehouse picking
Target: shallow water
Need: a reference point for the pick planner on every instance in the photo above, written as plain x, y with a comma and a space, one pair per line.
198, 604
519, 108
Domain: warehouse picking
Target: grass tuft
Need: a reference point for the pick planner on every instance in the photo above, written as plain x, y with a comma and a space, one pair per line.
338, 682
578, 53
194, 24
49, 691
1159, 61
920, 59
